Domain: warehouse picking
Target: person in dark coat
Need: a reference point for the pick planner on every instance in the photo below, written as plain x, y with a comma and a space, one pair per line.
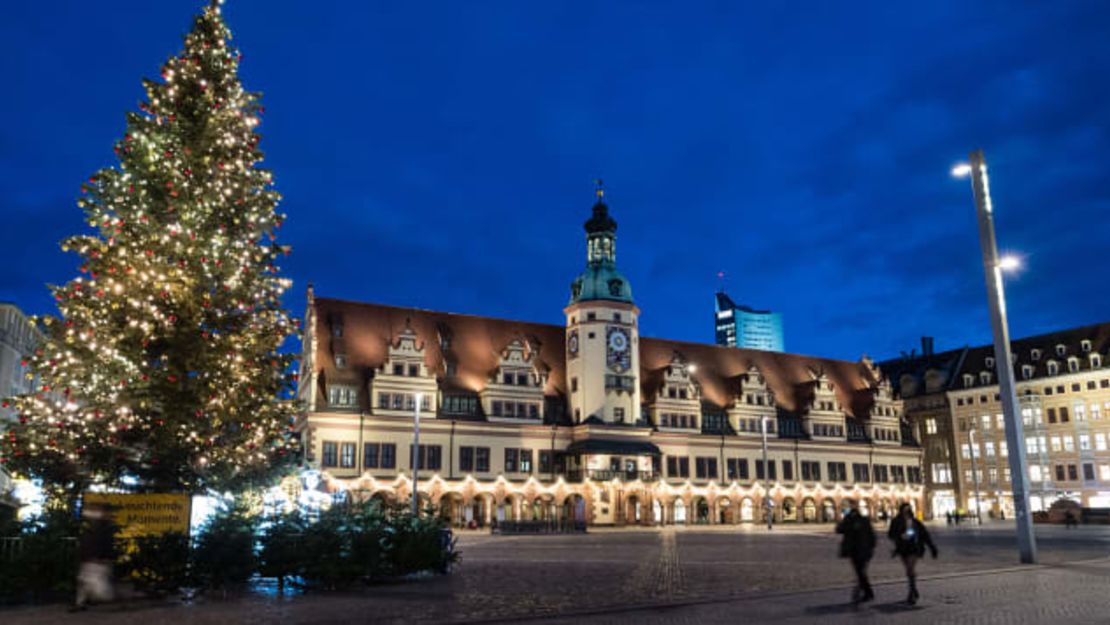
858, 545
96, 551
910, 540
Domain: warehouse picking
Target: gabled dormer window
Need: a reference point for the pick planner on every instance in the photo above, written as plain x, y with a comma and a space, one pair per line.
1085, 345
1026, 372
1096, 361
984, 377
1034, 354
989, 362
1053, 367
969, 380
1073, 364
1061, 350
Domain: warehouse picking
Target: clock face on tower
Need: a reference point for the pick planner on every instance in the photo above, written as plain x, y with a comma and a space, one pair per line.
618, 352
572, 343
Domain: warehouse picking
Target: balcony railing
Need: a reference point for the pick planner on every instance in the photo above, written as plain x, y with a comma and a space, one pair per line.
606, 475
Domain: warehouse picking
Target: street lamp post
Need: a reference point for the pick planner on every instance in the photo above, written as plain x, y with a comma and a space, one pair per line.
766, 476
974, 471
416, 455
992, 268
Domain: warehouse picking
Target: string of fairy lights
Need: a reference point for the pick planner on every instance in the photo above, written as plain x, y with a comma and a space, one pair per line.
164, 362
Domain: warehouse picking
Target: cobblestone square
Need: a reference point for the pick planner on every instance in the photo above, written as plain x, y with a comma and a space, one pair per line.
791, 574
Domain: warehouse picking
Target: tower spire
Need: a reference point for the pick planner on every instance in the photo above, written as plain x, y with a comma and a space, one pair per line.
600, 189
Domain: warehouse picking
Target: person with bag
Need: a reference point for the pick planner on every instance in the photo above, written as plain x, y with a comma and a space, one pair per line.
910, 540
858, 545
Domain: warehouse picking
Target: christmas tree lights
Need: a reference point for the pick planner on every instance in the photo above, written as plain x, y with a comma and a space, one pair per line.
164, 365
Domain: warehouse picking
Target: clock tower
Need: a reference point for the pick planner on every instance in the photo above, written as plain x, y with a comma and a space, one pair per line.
603, 340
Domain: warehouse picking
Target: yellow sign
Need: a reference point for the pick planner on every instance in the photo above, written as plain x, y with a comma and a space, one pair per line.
145, 514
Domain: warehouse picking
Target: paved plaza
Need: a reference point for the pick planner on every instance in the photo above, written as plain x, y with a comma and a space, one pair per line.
687, 575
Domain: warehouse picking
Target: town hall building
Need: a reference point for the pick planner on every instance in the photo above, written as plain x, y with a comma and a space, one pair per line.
589, 422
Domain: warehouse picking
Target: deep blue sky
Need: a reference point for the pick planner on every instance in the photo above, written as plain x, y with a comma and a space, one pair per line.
441, 154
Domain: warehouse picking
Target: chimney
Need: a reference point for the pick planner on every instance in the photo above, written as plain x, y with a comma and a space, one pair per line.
926, 346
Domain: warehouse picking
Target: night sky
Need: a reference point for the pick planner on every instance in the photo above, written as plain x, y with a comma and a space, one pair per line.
442, 155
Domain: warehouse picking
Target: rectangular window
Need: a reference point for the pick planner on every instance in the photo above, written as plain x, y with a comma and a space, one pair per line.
342, 396
510, 460
525, 460
481, 459
414, 371
507, 378
699, 467
1084, 442
533, 411
1060, 472
1063, 414
466, 459
672, 466
1035, 474
989, 447
347, 455
730, 469
574, 385
389, 455
787, 470
930, 426
711, 468
1104, 472
618, 415
383, 400
545, 461
1056, 443
742, 467
330, 457
1100, 442
370, 454
1051, 415
760, 473
881, 474
1089, 472
429, 457
1069, 443
398, 401
398, 369
942, 473
684, 466
1073, 473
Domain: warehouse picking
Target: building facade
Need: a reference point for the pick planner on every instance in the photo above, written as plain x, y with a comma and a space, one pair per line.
589, 421
18, 338
741, 326
1063, 391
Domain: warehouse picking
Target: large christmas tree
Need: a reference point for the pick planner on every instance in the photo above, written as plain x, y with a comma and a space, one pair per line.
164, 368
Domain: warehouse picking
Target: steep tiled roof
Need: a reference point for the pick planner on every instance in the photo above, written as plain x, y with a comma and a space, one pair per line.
973, 360
475, 345
1072, 339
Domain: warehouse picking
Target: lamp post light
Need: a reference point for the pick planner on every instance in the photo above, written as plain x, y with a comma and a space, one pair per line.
766, 475
993, 267
416, 455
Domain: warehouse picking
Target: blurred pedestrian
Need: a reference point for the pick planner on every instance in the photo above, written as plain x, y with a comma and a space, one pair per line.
1069, 520
97, 554
910, 540
858, 545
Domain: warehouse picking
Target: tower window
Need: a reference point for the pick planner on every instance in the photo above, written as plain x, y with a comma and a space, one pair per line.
590, 316
616, 316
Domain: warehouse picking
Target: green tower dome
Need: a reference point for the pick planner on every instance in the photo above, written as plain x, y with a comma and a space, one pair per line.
601, 280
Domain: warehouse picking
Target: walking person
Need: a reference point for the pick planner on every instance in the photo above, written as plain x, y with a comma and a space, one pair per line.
1069, 520
858, 545
910, 540
97, 553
